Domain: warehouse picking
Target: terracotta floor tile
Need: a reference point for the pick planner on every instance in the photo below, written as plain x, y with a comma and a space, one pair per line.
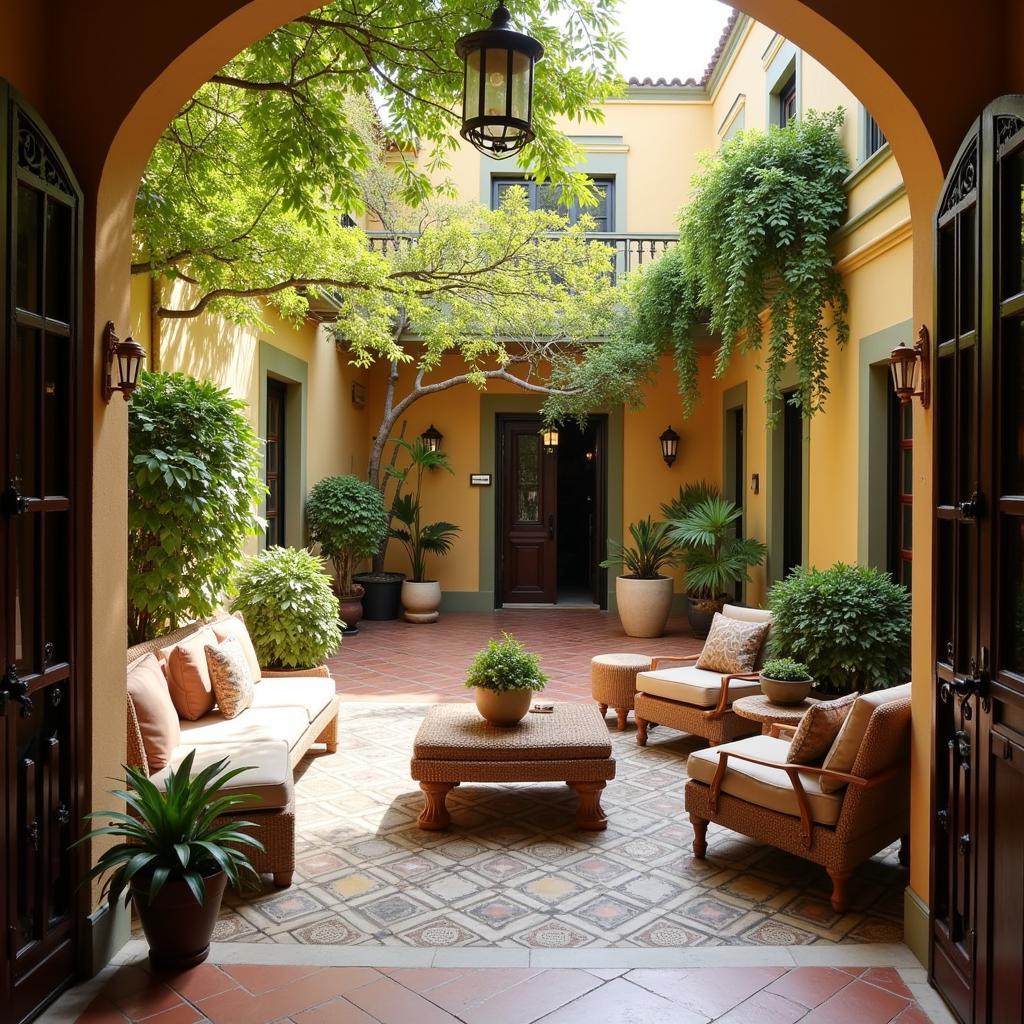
476, 987
145, 1002
126, 981
422, 979
764, 1008
183, 1013
887, 978
858, 1003
336, 1011
913, 1015
261, 978
199, 982
622, 1002
391, 1003
531, 999
710, 991
810, 986
235, 1006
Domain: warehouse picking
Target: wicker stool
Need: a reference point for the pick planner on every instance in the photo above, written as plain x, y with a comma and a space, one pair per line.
613, 682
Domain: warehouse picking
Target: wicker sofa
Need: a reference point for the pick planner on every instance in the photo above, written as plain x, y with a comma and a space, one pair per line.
290, 712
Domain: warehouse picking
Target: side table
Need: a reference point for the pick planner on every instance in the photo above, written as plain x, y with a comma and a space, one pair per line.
613, 682
759, 708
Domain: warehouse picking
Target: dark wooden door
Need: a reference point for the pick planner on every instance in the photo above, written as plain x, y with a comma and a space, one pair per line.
41, 706
277, 395
528, 503
977, 898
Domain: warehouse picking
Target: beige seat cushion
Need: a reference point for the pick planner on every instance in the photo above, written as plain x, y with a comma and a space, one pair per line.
843, 754
269, 778
154, 710
818, 730
733, 645
311, 693
234, 627
188, 675
251, 726
765, 787
690, 685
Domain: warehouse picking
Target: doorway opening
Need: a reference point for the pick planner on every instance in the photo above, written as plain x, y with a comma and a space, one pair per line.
552, 513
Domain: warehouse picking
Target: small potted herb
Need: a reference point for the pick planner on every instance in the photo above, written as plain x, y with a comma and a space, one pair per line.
176, 856
505, 676
785, 681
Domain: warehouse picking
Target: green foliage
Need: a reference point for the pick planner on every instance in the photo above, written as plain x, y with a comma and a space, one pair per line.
689, 496
419, 539
714, 557
653, 551
289, 607
173, 835
850, 624
193, 489
505, 665
786, 670
346, 517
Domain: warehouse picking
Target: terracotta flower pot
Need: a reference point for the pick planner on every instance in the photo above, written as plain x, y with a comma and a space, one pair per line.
503, 708
350, 609
786, 691
177, 928
643, 605
421, 601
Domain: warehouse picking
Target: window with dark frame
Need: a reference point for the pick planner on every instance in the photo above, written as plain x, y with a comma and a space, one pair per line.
277, 394
901, 489
874, 139
738, 473
545, 197
787, 101
792, 487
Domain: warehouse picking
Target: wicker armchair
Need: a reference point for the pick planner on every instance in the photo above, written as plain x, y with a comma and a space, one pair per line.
693, 700
748, 787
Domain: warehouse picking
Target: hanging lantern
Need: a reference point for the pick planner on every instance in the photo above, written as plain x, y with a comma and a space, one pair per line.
497, 98
669, 445
549, 435
910, 366
124, 357
432, 438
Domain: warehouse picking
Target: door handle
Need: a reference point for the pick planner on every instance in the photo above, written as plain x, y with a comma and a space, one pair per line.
551, 526
972, 507
13, 687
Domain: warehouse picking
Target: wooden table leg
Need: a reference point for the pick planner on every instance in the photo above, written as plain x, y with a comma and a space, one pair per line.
621, 713
434, 817
589, 814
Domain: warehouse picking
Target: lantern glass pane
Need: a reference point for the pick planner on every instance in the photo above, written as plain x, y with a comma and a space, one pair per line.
495, 87
521, 86
472, 99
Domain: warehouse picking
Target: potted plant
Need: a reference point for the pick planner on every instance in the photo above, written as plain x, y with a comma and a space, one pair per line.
175, 857
785, 681
421, 597
346, 517
714, 557
643, 594
290, 608
849, 624
505, 676
382, 594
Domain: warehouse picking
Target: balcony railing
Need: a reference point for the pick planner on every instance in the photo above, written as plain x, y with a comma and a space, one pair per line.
631, 250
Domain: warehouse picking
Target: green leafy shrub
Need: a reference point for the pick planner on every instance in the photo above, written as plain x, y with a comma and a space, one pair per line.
193, 491
786, 670
689, 497
653, 552
289, 607
346, 517
505, 665
850, 624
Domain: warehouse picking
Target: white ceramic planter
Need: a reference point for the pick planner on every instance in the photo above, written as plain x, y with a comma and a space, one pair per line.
644, 605
421, 601
506, 708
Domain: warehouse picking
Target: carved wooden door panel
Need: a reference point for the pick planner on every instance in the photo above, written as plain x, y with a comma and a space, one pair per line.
39, 700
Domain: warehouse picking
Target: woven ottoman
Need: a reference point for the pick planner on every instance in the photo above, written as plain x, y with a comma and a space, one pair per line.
613, 682
454, 744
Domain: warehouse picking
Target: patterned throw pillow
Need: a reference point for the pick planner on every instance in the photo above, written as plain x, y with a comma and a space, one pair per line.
231, 676
732, 645
818, 729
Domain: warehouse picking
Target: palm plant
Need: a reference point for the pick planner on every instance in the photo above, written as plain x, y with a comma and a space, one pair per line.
689, 496
653, 551
420, 539
714, 557
174, 836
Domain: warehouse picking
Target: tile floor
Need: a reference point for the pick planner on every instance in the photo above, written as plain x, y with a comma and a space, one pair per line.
259, 994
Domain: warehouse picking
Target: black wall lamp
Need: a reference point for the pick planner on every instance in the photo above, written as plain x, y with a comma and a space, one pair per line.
669, 445
127, 356
549, 436
911, 369
431, 438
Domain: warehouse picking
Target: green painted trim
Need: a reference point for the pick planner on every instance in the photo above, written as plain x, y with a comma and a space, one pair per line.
916, 925
490, 407
107, 930
883, 202
597, 140
665, 94
277, 365
467, 601
732, 399
865, 164
774, 495
873, 442
736, 118
788, 59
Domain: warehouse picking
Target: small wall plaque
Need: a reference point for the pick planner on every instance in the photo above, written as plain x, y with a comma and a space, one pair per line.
480, 479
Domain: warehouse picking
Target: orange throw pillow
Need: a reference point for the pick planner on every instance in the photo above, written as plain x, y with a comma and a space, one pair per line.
158, 721
234, 627
188, 676
818, 729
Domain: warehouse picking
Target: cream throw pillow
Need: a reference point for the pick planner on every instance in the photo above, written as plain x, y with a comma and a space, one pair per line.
732, 645
231, 676
818, 729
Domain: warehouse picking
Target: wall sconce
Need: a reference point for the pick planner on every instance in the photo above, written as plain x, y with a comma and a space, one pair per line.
911, 365
755, 483
589, 456
431, 438
549, 435
669, 445
128, 356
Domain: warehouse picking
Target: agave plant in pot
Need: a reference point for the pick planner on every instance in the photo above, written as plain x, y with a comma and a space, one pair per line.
176, 856
714, 557
505, 676
643, 593
421, 597
346, 517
